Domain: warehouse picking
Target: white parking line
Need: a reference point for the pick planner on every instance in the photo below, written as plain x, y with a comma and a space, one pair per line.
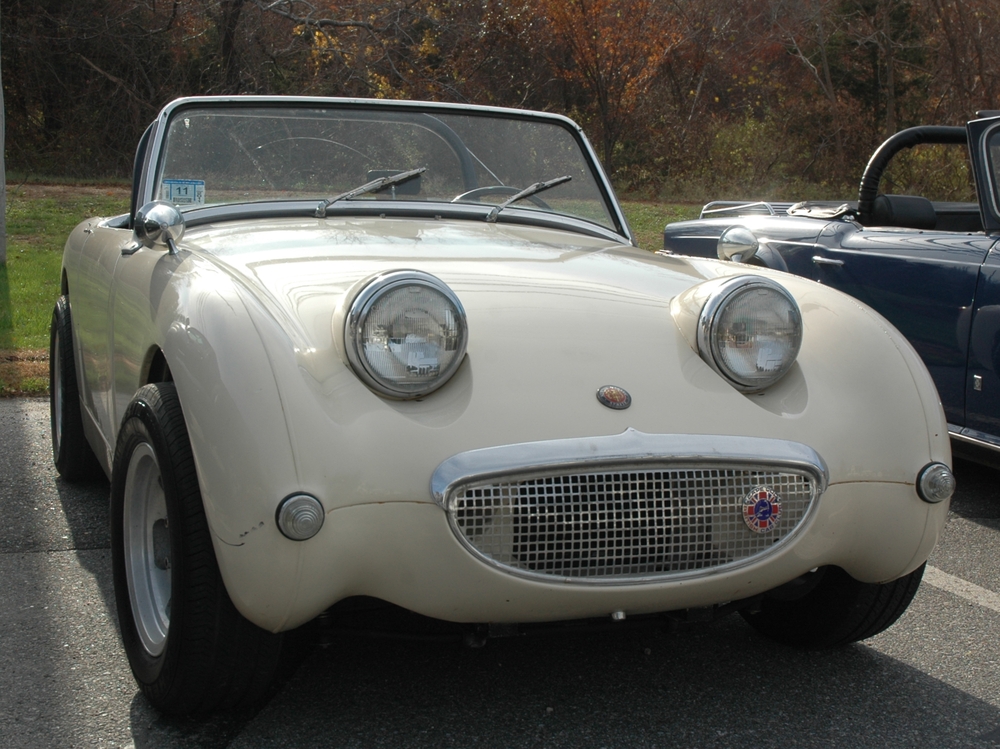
962, 588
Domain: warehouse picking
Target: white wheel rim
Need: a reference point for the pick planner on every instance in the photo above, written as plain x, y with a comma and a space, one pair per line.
147, 549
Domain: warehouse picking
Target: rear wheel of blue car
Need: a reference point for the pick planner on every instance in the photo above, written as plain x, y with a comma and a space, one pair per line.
190, 650
73, 457
833, 610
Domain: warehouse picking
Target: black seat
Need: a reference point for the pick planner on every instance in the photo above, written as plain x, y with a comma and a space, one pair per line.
910, 211
952, 216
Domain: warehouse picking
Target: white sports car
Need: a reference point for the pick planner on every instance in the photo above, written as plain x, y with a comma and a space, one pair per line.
411, 351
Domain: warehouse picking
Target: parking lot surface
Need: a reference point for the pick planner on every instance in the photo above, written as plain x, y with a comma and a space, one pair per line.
932, 680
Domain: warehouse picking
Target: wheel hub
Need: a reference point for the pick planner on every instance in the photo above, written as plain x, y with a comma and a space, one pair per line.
147, 549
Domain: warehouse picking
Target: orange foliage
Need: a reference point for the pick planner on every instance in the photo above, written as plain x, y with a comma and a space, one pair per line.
611, 49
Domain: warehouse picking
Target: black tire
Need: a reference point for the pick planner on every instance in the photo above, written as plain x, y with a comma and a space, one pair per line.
190, 650
835, 612
71, 452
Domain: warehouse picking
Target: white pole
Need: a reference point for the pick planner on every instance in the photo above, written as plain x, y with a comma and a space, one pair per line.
3, 180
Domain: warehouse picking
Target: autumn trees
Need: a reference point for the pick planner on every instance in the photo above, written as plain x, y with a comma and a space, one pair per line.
695, 96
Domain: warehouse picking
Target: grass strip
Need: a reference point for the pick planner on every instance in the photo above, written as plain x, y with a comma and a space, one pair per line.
39, 219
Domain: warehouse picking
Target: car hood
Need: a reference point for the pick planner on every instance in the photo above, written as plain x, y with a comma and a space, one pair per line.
303, 270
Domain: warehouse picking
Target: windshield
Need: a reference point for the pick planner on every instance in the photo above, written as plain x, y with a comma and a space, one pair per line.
221, 154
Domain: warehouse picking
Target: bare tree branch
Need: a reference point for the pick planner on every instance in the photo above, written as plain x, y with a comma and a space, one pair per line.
121, 84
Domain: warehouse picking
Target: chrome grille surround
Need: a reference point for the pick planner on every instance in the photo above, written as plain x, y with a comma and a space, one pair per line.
625, 509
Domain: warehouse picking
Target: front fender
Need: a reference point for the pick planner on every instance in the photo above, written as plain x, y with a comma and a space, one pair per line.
236, 424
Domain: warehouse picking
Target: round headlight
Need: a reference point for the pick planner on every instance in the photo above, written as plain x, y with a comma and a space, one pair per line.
750, 331
406, 334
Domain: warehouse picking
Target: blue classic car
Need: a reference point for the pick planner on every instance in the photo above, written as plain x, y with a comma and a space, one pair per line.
931, 268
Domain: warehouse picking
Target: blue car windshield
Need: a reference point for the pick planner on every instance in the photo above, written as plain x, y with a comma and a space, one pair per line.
227, 154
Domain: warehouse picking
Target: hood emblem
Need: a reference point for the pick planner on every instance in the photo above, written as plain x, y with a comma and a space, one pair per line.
614, 397
761, 509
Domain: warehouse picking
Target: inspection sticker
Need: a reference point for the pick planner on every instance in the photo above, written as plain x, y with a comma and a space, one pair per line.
183, 191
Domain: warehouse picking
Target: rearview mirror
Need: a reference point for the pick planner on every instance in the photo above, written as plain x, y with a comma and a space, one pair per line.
737, 244
159, 223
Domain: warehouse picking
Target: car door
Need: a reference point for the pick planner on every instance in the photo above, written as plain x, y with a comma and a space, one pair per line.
91, 295
983, 382
90, 292
924, 282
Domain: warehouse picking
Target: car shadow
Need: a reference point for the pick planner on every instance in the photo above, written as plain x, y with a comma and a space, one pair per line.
976, 498
718, 685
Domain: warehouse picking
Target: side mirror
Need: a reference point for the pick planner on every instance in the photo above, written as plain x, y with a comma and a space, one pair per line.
737, 244
159, 223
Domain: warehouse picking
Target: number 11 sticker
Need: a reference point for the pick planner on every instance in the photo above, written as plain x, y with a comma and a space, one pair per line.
183, 191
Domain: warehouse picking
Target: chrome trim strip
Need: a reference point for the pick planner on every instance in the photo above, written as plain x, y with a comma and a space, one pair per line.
820, 260
737, 206
632, 446
973, 437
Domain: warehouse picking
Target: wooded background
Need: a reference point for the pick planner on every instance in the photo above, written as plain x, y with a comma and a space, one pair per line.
681, 98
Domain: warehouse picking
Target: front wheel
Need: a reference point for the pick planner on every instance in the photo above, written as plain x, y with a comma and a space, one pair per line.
190, 650
837, 610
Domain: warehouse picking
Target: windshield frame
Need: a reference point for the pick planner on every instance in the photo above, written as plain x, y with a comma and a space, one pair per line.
196, 214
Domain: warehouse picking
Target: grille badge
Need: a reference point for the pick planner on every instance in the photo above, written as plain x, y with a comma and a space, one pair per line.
761, 509
614, 397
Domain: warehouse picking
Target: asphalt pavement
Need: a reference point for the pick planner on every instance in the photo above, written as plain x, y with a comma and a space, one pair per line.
932, 680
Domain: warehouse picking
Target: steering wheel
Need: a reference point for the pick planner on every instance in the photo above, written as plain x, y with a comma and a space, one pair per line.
479, 192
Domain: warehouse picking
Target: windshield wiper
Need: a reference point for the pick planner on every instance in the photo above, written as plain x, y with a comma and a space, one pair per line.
527, 192
374, 186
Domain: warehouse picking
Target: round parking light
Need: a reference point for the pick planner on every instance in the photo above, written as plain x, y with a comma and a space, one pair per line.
935, 483
300, 516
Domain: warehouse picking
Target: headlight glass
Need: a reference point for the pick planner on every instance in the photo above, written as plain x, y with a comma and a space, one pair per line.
750, 332
406, 334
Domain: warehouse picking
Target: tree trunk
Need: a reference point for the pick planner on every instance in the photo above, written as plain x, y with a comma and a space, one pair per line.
3, 180
890, 70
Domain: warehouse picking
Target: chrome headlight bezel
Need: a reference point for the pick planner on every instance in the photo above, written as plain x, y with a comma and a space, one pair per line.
712, 312
361, 306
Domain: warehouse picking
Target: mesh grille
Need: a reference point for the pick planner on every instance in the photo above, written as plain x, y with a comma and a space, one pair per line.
624, 523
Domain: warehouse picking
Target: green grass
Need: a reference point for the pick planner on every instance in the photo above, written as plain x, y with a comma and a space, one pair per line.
648, 219
37, 228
